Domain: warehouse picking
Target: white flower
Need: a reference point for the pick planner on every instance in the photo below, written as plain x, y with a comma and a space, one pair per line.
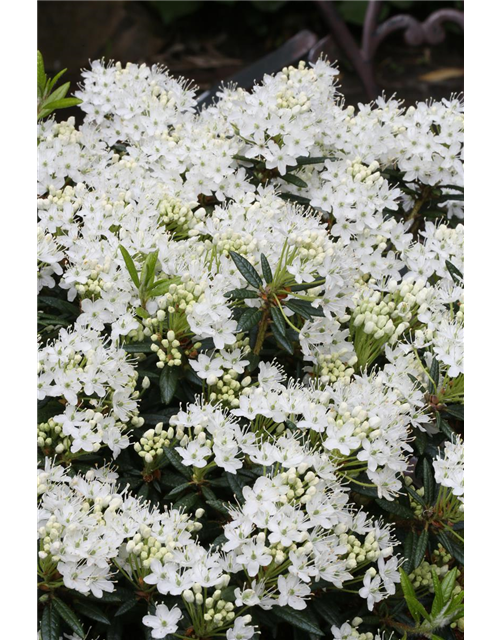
164, 621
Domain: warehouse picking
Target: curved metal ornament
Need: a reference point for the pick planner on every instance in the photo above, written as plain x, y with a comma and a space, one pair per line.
429, 31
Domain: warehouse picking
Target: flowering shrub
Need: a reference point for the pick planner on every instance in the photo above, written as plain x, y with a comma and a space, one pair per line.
251, 364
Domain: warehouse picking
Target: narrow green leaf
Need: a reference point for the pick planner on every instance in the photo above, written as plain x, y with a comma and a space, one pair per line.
313, 160
68, 616
129, 263
169, 378
456, 551
218, 505
53, 81
41, 78
57, 95
448, 584
429, 482
249, 318
434, 377
409, 594
423, 539
456, 410
395, 508
438, 602
282, 341
298, 619
126, 606
148, 269
241, 294
236, 486
409, 563
92, 611
266, 269
420, 441
179, 489
176, 461
291, 197
60, 305
138, 347
295, 180
327, 609
278, 320
186, 502
246, 269
456, 275
160, 288
50, 623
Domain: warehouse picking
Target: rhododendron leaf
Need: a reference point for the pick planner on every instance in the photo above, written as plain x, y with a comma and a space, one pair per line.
169, 379
246, 269
68, 616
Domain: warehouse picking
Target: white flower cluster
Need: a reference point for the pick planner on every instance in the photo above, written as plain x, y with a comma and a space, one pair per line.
97, 382
266, 261
294, 528
449, 469
87, 528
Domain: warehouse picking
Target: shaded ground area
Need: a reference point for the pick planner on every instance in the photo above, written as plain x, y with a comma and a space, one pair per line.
219, 39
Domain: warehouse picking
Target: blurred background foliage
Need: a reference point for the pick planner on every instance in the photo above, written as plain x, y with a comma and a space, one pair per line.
352, 11
208, 41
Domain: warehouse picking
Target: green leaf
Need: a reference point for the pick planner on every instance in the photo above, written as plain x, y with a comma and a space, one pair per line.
313, 160
138, 347
236, 486
179, 489
448, 584
305, 308
443, 426
395, 508
148, 269
241, 294
129, 263
295, 180
176, 461
186, 502
291, 197
61, 305
246, 270
50, 624
282, 341
92, 611
434, 377
438, 602
418, 498
218, 505
423, 539
52, 83
278, 320
59, 104
456, 410
266, 269
160, 287
456, 551
41, 78
68, 616
57, 95
298, 619
456, 275
429, 482
410, 597
114, 632
142, 313
126, 606
409, 563
249, 318
420, 441
169, 378
327, 609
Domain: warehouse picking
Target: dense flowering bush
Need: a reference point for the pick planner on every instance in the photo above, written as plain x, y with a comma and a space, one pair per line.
251, 362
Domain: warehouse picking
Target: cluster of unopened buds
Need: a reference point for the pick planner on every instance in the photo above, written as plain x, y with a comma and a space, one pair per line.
330, 368
179, 218
151, 445
230, 240
167, 348
94, 284
147, 548
363, 173
217, 611
50, 437
288, 98
349, 631
359, 552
